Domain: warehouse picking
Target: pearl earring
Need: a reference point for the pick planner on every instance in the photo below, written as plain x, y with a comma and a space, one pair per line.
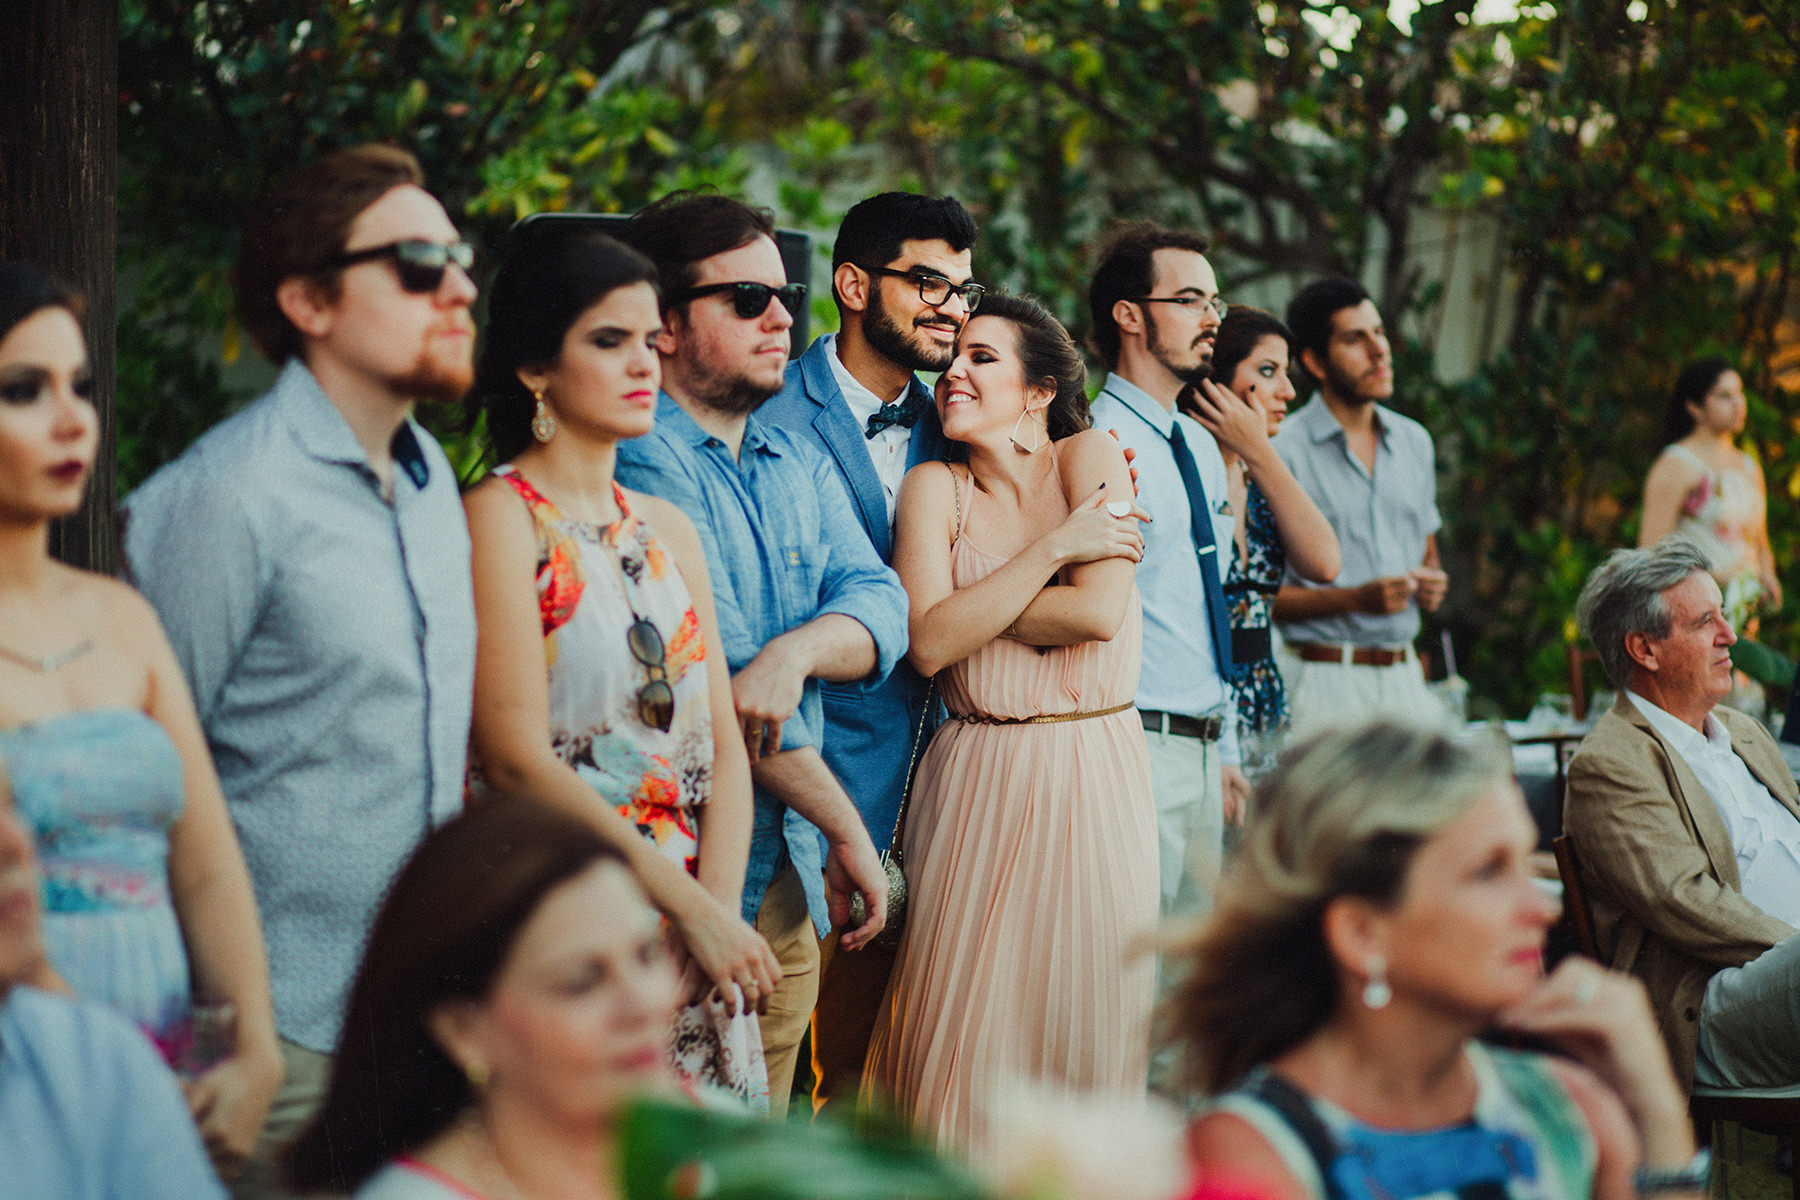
1376, 992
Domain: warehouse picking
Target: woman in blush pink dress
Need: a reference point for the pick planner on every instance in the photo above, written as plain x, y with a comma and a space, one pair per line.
1031, 842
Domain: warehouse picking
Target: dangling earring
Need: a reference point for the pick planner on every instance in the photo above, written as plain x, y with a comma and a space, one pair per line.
1021, 447
543, 421
1376, 992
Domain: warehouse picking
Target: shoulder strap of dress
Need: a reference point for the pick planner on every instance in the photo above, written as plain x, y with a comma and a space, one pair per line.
1688, 456
956, 482
1292, 1106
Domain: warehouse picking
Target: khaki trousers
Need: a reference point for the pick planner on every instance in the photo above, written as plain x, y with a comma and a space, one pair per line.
785, 923
301, 1093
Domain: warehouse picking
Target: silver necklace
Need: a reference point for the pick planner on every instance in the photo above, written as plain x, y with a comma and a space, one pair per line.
49, 662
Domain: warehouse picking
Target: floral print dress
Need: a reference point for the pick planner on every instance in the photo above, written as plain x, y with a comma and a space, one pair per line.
1255, 681
592, 583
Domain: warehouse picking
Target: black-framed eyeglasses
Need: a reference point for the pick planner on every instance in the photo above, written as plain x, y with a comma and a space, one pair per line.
656, 699
1216, 303
935, 290
749, 300
420, 264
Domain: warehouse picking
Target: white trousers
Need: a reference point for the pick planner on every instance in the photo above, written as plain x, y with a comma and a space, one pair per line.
1321, 694
1190, 820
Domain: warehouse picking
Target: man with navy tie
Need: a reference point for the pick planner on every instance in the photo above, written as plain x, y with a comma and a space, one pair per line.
900, 275
1155, 308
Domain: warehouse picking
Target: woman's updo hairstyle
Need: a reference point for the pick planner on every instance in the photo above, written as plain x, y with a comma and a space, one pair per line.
551, 277
1341, 815
1048, 357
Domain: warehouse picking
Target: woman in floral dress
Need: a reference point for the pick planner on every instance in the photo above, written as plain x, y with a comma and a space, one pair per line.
597, 685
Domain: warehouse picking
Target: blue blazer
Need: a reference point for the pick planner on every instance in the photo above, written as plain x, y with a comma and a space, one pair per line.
869, 728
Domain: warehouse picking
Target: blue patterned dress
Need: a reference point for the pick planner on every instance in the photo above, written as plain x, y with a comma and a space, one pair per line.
1249, 588
101, 790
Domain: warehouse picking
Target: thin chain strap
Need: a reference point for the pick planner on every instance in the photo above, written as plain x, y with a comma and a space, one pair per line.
956, 482
912, 768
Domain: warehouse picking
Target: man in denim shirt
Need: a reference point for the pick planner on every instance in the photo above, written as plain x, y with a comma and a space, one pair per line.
310, 561
801, 594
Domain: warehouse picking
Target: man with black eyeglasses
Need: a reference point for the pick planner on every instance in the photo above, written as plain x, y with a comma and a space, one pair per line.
310, 561
800, 593
900, 278
1155, 307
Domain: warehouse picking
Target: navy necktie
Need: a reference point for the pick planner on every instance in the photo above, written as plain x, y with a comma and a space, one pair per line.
903, 412
1206, 546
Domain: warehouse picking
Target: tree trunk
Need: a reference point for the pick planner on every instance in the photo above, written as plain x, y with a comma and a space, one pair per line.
59, 99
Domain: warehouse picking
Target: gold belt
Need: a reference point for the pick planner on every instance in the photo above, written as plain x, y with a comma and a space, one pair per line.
1047, 719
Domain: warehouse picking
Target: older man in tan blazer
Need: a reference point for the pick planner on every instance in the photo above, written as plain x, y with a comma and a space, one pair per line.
1687, 824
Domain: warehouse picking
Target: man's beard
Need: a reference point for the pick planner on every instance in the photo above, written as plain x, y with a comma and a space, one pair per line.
1347, 387
732, 395
1194, 374
432, 377
887, 339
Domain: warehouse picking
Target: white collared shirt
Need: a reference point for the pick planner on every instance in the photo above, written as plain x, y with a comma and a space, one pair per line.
1765, 835
887, 449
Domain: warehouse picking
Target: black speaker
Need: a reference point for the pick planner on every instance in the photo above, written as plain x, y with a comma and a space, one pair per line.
795, 248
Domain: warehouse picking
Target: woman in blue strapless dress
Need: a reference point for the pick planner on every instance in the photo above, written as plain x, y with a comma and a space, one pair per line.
104, 751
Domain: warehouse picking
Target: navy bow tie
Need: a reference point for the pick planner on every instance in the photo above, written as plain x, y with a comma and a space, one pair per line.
903, 412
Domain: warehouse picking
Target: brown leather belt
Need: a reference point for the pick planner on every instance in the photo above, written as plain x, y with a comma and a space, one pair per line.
1044, 719
1362, 656
1206, 729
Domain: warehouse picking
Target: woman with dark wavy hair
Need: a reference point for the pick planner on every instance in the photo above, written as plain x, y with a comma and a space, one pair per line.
600, 685
1278, 524
1031, 839
516, 991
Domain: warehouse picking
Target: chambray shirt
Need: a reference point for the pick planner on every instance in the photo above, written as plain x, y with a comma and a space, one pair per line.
1381, 519
88, 1111
1181, 672
783, 546
328, 634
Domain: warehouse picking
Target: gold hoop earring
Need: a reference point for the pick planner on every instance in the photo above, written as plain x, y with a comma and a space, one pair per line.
543, 421
1021, 447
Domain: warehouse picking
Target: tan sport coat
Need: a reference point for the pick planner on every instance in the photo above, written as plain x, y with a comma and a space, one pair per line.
1659, 867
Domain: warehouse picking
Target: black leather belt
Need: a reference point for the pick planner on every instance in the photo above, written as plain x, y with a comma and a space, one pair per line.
1207, 729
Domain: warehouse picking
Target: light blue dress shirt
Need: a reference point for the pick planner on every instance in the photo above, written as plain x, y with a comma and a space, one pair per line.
1381, 519
783, 546
1181, 672
87, 1109
328, 634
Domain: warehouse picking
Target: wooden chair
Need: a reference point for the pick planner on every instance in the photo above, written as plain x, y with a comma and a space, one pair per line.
1578, 693
1764, 1109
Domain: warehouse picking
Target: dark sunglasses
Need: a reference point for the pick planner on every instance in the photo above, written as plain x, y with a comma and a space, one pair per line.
656, 699
420, 264
750, 300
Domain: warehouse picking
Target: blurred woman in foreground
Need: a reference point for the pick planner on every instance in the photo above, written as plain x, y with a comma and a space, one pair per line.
516, 990
1381, 914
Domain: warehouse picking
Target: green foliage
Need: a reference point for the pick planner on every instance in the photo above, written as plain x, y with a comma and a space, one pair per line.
1637, 156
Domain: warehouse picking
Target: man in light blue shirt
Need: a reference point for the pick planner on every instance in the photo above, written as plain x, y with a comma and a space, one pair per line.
800, 592
1372, 473
310, 561
88, 1111
1155, 306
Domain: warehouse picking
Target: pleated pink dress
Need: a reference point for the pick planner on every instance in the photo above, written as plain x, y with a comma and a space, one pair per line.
1031, 859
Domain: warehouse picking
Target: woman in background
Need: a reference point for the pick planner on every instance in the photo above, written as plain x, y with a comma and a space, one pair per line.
1704, 487
1380, 914
1031, 838
1277, 523
599, 682
515, 992
140, 863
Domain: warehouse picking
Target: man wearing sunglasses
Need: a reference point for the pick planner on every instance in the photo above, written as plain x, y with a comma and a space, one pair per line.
901, 281
310, 560
800, 592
